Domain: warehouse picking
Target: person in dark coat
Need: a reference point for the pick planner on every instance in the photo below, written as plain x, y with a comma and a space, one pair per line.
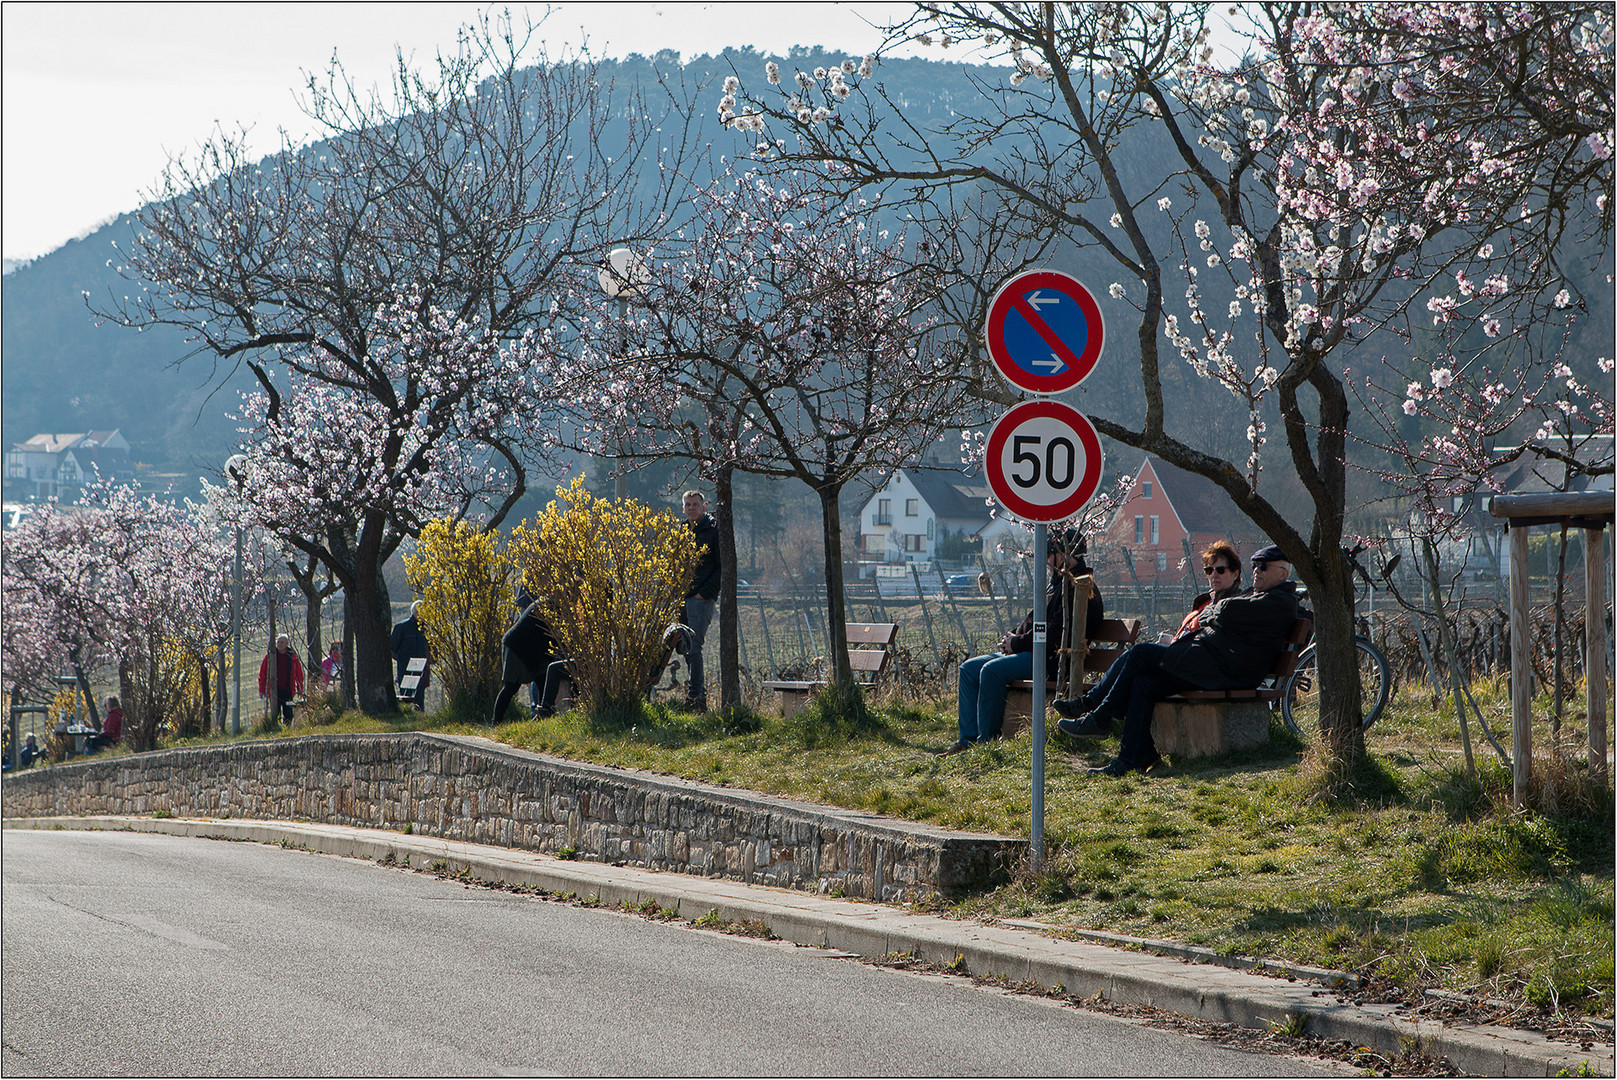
1222, 565
702, 596
983, 679
1235, 644
528, 649
409, 642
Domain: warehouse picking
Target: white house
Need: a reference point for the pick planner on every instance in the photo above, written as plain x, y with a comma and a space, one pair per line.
909, 519
47, 463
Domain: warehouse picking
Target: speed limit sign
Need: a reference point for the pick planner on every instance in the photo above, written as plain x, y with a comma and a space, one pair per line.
1044, 461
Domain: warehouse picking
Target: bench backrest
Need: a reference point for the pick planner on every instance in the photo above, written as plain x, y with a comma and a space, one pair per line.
1109, 643
869, 647
1301, 631
880, 634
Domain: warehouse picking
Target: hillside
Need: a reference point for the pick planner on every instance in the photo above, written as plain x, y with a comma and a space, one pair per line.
64, 372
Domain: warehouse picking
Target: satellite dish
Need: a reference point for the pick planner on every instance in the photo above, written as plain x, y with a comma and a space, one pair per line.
624, 274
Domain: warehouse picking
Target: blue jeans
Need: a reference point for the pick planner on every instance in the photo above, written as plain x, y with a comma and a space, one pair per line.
697, 614
982, 692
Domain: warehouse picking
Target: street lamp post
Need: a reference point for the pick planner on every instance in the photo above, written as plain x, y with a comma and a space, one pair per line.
622, 278
236, 470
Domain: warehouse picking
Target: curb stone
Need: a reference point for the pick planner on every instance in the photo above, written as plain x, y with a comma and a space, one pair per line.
1016, 951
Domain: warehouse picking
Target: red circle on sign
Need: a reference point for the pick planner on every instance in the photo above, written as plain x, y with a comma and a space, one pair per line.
1014, 296
1035, 431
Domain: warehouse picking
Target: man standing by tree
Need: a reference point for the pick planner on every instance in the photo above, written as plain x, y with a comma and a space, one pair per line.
703, 594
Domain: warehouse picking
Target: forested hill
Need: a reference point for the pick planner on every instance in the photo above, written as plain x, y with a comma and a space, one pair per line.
63, 372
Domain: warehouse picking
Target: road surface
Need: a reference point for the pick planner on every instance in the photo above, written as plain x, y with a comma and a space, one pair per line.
134, 953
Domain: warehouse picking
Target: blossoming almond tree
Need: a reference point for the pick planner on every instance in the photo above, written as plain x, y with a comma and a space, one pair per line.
806, 338
345, 475
1325, 182
126, 584
458, 197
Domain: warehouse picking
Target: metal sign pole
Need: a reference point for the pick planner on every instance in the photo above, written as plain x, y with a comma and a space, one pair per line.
1040, 632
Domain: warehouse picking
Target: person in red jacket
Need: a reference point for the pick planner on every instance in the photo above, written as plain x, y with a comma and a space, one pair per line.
288, 677
112, 727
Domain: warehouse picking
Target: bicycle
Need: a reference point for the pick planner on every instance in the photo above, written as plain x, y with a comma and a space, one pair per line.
1299, 699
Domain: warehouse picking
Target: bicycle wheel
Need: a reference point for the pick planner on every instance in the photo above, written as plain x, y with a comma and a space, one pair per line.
1299, 705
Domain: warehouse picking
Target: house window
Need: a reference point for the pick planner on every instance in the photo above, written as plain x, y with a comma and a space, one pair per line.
1162, 560
912, 507
884, 511
914, 542
1145, 489
931, 526
1139, 529
1154, 532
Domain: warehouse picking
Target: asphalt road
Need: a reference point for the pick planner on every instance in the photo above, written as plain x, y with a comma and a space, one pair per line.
146, 954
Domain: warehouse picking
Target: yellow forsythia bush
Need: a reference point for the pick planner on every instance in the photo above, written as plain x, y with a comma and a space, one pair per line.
463, 581
610, 576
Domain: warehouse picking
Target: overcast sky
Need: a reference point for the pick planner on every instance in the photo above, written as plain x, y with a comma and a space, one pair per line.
96, 96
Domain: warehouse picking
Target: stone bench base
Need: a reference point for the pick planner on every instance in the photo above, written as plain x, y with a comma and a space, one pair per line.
794, 697
1184, 729
1202, 728
1019, 709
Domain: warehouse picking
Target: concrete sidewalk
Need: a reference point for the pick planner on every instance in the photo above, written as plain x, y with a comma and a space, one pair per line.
1019, 953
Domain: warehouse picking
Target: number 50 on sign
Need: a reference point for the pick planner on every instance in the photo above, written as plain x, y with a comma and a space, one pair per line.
1044, 461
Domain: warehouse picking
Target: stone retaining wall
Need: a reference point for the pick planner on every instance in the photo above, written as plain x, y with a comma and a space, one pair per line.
464, 788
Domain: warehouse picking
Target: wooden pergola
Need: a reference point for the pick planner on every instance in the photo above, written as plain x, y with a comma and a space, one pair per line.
1591, 511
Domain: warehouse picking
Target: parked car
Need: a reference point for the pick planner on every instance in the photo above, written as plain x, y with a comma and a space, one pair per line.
961, 584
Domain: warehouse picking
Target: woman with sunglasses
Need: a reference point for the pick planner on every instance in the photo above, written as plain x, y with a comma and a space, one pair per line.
1222, 565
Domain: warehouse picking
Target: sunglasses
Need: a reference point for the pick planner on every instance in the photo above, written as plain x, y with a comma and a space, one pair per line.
1211, 570
1260, 564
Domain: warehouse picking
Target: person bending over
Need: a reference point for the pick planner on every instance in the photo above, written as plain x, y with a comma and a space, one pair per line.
1235, 644
528, 649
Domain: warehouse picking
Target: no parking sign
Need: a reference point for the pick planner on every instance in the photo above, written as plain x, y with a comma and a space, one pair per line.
1044, 331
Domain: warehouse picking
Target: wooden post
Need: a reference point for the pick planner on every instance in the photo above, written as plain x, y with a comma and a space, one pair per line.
1596, 677
1521, 667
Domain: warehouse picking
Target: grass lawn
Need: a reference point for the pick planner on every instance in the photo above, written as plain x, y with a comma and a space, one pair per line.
1421, 877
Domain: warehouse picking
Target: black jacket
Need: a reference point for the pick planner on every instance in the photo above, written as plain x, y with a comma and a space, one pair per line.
1238, 641
706, 582
408, 642
528, 649
1020, 639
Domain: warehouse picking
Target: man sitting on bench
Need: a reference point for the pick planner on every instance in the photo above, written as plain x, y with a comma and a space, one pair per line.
1235, 645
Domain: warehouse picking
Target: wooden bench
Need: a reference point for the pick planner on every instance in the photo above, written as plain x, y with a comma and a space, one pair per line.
1197, 723
870, 648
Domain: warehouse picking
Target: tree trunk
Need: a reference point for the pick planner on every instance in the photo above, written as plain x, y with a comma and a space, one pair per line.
1341, 712
835, 603
314, 645
348, 698
372, 617
729, 628
207, 701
